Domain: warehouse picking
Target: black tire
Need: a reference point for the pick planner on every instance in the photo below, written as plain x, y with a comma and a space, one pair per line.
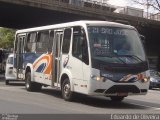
117, 98
7, 82
67, 94
150, 87
31, 86
37, 87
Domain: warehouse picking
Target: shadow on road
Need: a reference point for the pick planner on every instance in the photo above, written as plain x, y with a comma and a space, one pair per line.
2, 77
155, 89
100, 102
52, 92
16, 84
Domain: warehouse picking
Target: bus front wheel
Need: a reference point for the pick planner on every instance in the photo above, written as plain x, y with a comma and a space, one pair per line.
67, 94
31, 86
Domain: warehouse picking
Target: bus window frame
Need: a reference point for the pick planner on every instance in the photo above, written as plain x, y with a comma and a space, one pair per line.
27, 41
70, 41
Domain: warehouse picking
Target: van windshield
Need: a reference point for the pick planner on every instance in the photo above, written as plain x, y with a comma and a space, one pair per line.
10, 60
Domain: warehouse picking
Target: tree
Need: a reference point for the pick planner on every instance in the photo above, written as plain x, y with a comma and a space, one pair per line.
155, 4
6, 37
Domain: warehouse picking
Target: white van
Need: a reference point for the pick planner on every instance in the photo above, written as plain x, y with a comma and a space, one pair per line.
9, 76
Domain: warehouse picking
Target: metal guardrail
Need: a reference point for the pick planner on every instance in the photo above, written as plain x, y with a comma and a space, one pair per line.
93, 5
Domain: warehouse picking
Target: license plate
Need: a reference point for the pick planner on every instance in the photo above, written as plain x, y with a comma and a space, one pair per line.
122, 94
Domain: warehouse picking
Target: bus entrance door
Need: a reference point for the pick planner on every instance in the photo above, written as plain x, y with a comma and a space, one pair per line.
19, 56
57, 57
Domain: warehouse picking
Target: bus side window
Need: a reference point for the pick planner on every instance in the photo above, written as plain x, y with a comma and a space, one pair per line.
79, 47
51, 37
31, 42
42, 42
66, 41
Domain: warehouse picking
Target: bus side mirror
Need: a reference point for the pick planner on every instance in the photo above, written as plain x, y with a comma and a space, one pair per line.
143, 39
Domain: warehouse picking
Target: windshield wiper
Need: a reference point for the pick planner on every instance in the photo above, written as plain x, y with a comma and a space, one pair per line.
134, 56
111, 56
120, 59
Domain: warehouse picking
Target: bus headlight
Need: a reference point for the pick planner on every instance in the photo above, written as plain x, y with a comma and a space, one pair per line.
98, 78
145, 79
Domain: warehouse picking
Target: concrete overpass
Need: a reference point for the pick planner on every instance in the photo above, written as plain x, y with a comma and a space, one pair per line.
30, 13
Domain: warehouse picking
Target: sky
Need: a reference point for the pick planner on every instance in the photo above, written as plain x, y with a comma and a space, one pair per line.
118, 2
121, 3
125, 3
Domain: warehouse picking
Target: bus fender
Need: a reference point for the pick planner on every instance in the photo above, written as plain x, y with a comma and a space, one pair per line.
29, 67
68, 73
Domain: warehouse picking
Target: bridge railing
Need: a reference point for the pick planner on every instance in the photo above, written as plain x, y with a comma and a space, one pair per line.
89, 4
93, 5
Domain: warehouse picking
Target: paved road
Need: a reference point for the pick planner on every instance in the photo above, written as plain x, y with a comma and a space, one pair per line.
15, 99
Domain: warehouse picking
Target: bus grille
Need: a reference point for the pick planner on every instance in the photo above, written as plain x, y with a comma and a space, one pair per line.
122, 89
99, 90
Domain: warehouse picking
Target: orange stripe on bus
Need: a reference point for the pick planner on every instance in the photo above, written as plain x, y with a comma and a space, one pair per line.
49, 66
44, 57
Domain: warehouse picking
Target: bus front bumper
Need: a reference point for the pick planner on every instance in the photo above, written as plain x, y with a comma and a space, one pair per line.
110, 88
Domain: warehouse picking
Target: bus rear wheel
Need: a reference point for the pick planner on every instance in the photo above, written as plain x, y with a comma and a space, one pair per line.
117, 98
67, 94
31, 86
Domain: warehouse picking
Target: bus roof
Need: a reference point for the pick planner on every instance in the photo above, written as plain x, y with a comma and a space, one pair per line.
76, 23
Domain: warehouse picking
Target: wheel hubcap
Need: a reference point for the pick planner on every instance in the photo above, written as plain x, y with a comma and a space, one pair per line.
66, 90
27, 84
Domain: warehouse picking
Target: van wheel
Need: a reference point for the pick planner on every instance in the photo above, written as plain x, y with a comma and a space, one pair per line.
117, 98
31, 86
67, 94
7, 82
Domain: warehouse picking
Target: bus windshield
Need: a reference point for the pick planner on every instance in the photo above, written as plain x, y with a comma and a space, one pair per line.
115, 45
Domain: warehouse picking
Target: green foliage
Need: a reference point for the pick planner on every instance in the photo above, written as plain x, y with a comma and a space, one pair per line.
6, 38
